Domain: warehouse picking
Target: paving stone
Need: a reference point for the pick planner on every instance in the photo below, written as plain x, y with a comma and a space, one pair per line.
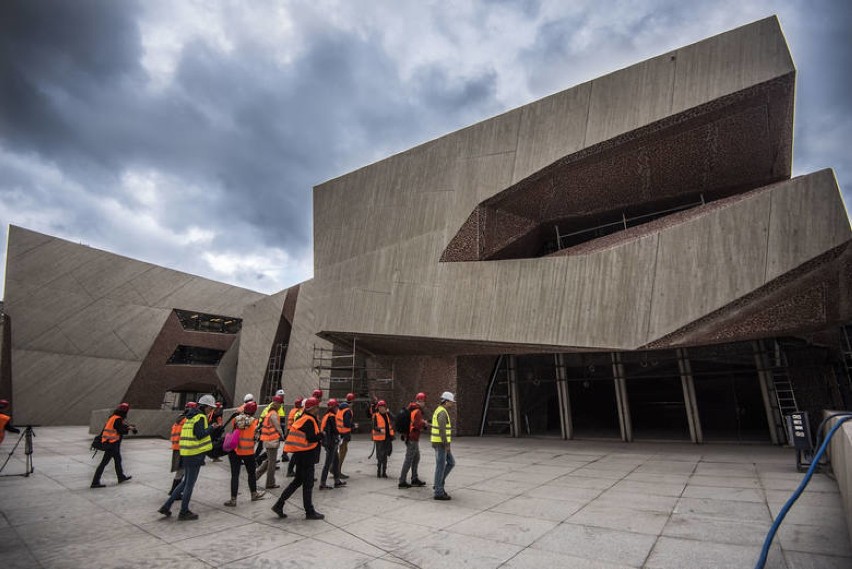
650, 523
503, 528
598, 544
537, 558
675, 553
445, 550
540, 508
813, 561
723, 509
721, 493
702, 528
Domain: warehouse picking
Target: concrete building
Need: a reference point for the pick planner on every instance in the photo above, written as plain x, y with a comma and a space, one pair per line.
629, 258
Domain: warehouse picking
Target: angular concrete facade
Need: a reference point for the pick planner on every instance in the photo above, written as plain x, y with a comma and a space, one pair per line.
439, 265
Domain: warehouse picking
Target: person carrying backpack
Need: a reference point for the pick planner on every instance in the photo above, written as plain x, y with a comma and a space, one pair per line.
246, 424
383, 435
409, 424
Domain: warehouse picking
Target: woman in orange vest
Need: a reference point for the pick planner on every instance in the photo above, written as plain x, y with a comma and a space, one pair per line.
246, 424
177, 467
303, 441
6, 421
383, 436
111, 435
345, 424
330, 438
270, 436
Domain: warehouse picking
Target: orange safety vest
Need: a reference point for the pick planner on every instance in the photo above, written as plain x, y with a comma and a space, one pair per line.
291, 416
381, 427
339, 419
176, 433
325, 419
4, 420
296, 440
110, 434
268, 432
246, 445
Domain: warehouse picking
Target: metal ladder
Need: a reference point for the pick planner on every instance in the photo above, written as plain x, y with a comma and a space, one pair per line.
497, 412
785, 397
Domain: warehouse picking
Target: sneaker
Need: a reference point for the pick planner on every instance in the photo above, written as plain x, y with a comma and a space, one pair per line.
417, 482
273, 486
443, 497
187, 515
165, 511
124, 479
232, 503
314, 516
344, 476
326, 487
279, 511
255, 496
97, 485
339, 483
403, 485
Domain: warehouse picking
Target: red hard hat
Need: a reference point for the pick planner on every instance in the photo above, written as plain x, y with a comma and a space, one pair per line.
421, 395
191, 404
311, 402
278, 399
298, 402
3, 403
124, 407
381, 403
250, 408
317, 393
218, 404
332, 402
350, 396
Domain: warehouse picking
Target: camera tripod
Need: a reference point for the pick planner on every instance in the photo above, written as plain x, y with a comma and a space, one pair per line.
26, 436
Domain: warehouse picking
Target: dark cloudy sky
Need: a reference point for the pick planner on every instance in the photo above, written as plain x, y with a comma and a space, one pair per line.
189, 134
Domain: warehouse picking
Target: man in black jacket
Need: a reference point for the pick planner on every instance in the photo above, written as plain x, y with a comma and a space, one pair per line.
111, 435
303, 441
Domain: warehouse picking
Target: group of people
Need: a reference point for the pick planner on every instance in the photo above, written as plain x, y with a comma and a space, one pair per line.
253, 443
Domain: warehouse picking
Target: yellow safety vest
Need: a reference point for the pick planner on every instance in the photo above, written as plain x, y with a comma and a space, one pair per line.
281, 412
436, 432
189, 445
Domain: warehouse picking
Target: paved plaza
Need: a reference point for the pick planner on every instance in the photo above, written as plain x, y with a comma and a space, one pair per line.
515, 503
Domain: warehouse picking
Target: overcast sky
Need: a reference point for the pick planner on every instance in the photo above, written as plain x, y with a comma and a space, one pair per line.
189, 134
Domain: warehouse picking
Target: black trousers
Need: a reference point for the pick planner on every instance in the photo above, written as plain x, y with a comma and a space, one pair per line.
236, 460
331, 463
112, 452
304, 477
383, 451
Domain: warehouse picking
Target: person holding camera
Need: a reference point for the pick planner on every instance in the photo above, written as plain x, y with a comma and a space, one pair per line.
111, 435
195, 442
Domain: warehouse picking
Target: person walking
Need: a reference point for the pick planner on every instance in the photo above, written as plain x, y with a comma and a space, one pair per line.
383, 436
6, 421
291, 417
271, 435
412, 442
441, 439
243, 455
345, 424
328, 426
111, 436
260, 454
195, 442
177, 426
303, 441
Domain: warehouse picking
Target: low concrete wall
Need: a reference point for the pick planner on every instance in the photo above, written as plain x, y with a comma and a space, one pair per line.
149, 422
840, 454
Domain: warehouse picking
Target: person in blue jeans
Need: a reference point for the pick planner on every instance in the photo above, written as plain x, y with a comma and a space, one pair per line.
441, 438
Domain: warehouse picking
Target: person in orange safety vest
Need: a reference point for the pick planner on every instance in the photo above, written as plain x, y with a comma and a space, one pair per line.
111, 435
271, 435
303, 441
246, 424
383, 436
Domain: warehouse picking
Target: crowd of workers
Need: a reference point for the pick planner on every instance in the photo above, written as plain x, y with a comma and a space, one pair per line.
253, 443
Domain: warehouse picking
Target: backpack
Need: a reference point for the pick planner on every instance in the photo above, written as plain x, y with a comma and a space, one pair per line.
402, 423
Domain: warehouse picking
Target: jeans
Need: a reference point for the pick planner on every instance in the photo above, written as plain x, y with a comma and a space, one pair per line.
444, 463
237, 460
411, 461
191, 472
304, 478
112, 452
331, 463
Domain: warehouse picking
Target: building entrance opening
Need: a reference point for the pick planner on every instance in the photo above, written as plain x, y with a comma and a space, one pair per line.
655, 395
727, 391
591, 391
538, 394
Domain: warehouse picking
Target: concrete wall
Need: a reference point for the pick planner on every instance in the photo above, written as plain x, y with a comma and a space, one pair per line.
840, 454
85, 320
261, 321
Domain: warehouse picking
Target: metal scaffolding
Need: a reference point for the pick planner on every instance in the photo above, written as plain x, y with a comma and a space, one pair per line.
341, 370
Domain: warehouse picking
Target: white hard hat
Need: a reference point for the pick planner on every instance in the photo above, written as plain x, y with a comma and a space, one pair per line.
447, 396
280, 392
248, 397
207, 400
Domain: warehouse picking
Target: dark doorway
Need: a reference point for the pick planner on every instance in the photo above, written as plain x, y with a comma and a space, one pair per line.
539, 399
727, 390
591, 391
655, 396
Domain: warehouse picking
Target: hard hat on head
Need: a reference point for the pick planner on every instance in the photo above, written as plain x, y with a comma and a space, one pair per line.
280, 392
248, 397
420, 396
3, 403
317, 393
298, 402
382, 403
250, 408
278, 399
218, 404
191, 405
311, 402
447, 396
350, 396
332, 403
124, 407
206, 400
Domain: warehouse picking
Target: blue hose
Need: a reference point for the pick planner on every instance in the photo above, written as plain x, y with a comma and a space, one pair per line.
764, 553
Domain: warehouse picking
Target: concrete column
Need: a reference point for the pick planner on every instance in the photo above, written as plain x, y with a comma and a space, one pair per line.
621, 398
514, 396
688, 383
564, 398
767, 390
